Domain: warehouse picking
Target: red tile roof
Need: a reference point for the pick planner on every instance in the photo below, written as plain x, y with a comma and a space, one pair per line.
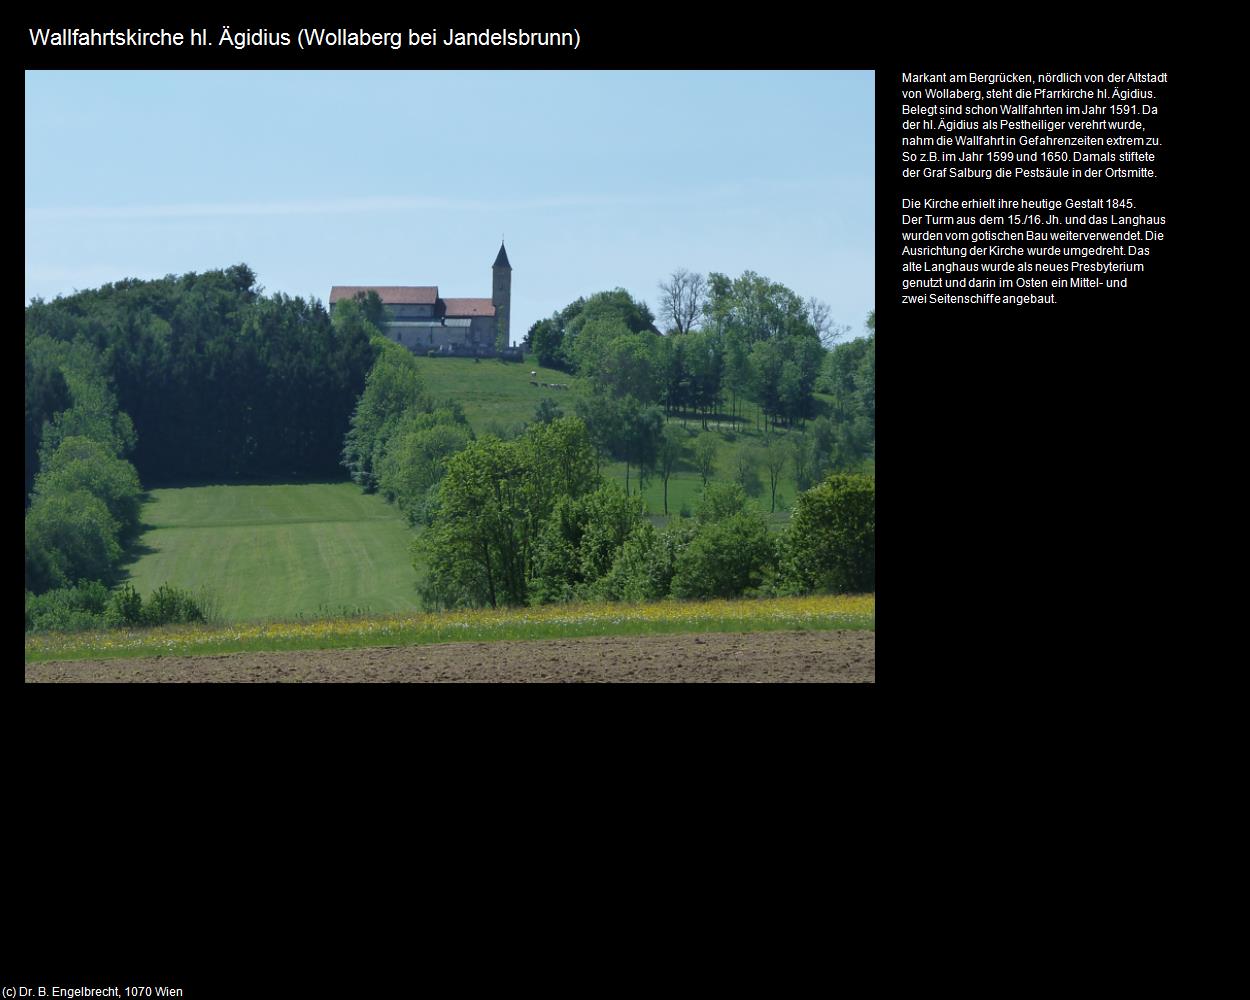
469, 307
391, 295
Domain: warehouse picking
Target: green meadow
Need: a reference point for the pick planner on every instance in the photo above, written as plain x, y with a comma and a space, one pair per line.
491, 390
278, 552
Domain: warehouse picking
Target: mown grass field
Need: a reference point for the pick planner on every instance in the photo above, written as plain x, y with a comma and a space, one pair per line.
497, 393
820, 612
278, 552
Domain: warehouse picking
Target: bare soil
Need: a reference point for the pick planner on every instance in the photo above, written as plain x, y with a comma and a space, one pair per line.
753, 657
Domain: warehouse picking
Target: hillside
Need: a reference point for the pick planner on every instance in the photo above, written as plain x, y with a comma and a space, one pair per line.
283, 551
498, 395
491, 391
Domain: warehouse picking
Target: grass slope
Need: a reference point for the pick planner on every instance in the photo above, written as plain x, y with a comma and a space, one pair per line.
491, 390
495, 393
269, 552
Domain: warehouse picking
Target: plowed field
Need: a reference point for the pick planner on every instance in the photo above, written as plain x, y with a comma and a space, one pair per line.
833, 656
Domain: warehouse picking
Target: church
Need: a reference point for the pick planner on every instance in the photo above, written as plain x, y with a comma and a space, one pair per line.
425, 322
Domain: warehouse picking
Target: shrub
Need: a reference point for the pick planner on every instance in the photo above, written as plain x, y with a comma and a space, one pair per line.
125, 607
705, 448
415, 458
580, 541
831, 543
726, 558
720, 501
67, 609
392, 389
69, 536
171, 606
746, 472
82, 464
90, 605
644, 567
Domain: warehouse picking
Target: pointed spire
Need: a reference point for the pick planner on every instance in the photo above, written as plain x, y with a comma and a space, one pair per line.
502, 259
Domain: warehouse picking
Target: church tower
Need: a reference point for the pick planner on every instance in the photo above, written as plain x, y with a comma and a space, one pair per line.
501, 294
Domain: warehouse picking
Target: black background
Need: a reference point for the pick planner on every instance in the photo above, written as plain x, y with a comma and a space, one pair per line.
1009, 434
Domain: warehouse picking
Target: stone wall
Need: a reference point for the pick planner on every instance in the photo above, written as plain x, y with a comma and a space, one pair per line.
473, 341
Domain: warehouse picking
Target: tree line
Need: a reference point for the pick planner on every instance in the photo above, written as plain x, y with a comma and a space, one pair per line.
728, 340
82, 498
198, 377
220, 381
398, 439
83, 495
531, 521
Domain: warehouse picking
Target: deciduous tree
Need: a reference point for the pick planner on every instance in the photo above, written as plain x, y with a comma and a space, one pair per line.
830, 544
726, 558
492, 505
705, 447
774, 455
682, 297
671, 447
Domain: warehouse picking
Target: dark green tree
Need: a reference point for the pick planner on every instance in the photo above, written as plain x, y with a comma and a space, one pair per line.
589, 349
81, 464
630, 364
393, 387
207, 377
492, 505
46, 394
726, 558
703, 359
772, 346
544, 342
774, 456
579, 542
757, 307
801, 459
545, 339
721, 501
603, 315
547, 411
69, 537
830, 544
746, 471
641, 428
414, 458
669, 454
644, 566
601, 414
705, 447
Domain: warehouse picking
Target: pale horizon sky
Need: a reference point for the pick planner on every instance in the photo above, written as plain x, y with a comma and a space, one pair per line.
597, 179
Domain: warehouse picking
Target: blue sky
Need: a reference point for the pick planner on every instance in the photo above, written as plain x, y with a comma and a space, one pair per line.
597, 179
